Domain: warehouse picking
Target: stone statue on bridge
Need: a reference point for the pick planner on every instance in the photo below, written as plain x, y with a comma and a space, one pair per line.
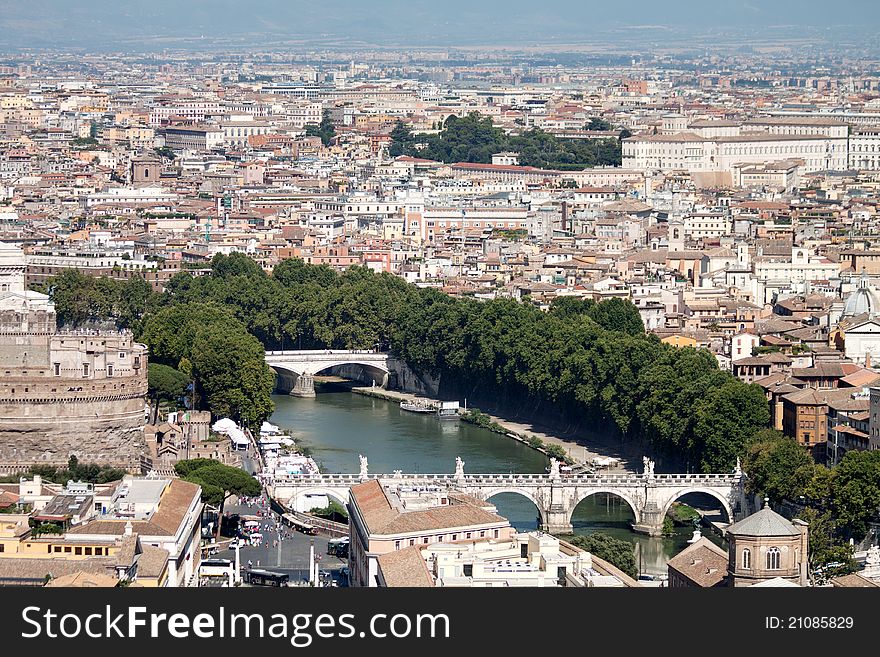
649, 467
459, 468
554, 468
364, 473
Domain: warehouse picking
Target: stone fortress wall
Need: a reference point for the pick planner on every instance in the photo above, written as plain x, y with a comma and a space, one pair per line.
62, 393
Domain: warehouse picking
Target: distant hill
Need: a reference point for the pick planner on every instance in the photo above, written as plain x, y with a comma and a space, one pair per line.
114, 24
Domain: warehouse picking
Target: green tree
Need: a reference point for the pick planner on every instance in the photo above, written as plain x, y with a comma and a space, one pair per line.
829, 557
166, 383
856, 491
218, 482
726, 419
613, 550
617, 315
325, 130
597, 123
778, 467
215, 349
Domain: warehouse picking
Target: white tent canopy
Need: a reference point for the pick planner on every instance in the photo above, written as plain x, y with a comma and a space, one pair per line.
224, 426
238, 437
268, 428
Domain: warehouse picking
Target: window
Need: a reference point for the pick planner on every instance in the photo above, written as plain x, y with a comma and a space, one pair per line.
425, 540
467, 535
455, 537
412, 542
495, 534
78, 550
482, 534
85, 369
396, 545
747, 559
773, 558
2, 547
88, 551
57, 368
468, 570
109, 370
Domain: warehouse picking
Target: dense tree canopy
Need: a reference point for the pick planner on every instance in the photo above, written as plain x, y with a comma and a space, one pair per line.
856, 491
778, 467
218, 481
474, 138
207, 343
166, 383
79, 299
613, 550
584, 362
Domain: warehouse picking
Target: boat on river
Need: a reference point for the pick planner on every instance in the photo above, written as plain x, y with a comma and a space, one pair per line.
417, 406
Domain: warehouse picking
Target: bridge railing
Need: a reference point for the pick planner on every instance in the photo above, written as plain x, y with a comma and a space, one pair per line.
329, 353
606, 479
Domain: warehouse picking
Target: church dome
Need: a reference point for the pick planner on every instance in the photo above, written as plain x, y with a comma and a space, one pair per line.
861, 301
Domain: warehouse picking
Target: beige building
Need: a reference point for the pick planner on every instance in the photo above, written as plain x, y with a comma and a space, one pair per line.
391, 517
144, 530
533, 559
766, 546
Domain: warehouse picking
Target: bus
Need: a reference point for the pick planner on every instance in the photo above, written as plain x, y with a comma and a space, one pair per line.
257, 577
338, 547
299, 525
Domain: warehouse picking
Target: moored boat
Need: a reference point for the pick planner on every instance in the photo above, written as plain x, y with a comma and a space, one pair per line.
417, 407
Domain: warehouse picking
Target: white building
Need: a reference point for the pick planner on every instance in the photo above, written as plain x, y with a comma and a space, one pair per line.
705, 147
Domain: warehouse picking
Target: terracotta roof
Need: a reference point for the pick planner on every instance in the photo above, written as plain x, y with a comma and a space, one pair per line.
703, 562
853, 580
381, 518
153, 561
82, 579
22, 568
405, 568
173, 505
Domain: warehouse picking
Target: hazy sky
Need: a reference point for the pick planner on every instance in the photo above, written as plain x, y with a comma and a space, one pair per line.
42, 23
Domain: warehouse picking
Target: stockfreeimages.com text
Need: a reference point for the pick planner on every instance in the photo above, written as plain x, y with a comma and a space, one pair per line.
300, 629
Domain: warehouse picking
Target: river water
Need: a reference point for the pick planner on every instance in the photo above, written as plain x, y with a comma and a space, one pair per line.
336, 426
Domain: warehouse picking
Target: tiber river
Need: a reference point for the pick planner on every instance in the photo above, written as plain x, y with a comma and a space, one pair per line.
337, 426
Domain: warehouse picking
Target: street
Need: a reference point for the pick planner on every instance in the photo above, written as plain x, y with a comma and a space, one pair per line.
288, 555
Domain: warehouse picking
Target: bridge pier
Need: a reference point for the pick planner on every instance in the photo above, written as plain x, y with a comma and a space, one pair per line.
557, 522
304, 386
557, 509
651, 520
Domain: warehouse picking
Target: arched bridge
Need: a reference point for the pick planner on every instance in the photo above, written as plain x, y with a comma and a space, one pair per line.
296, 369
649, 495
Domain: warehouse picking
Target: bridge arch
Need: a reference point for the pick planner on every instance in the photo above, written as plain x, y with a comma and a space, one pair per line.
377, 371
678, 494
487, 495
581, 496
298, 499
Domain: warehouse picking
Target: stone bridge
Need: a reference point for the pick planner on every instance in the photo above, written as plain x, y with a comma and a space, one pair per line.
296, 369
648, 495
